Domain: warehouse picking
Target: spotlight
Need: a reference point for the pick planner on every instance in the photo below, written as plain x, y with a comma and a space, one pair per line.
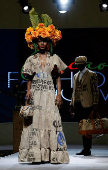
103, 5
63, 5
64, 1
26, 7
62, 12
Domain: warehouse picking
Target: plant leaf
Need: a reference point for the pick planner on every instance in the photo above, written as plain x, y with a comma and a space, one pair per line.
34, 18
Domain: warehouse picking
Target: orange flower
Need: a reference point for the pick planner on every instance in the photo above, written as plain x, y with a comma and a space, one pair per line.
37, 28
28, 38
41, 30
41, 25
30, 29
45, 34
30, 45
34, 34
51, 27
58, 35
52, 35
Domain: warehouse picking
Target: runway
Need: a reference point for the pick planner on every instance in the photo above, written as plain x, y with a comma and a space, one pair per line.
97, 161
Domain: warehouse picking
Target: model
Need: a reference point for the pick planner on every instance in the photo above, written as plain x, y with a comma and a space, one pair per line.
42, 137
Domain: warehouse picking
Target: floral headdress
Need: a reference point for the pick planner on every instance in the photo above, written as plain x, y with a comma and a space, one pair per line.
41, 28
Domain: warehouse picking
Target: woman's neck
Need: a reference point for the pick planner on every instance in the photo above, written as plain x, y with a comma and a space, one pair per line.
43, 52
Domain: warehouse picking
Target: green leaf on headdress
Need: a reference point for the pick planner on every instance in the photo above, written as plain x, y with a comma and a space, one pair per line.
34, 18
46, 19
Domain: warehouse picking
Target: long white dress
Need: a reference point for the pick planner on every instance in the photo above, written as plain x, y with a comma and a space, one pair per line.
42, 137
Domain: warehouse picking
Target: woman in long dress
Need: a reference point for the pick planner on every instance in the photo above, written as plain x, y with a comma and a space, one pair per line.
42, 137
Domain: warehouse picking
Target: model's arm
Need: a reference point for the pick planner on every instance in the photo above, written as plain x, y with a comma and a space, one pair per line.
71, 110
58, 97
95, 91
28, 94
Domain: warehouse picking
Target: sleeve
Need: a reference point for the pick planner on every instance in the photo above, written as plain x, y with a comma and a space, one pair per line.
60, 64
94, 86
27, 67
73, 93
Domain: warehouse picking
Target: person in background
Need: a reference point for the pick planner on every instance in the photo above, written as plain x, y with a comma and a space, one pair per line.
85, 98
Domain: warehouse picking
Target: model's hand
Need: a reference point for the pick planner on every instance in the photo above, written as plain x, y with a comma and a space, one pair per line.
71, 111
28, 95
59, 101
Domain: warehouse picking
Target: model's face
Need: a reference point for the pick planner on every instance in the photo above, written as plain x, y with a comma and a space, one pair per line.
42, 43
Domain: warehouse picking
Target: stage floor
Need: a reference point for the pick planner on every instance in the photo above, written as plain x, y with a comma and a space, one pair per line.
97, 161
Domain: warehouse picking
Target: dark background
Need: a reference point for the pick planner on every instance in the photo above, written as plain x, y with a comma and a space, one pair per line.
91, 42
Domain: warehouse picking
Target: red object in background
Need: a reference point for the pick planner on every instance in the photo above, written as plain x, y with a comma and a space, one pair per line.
70, 67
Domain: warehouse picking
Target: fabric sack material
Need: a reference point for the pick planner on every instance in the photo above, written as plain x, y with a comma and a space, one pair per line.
93, 126
26, 111
42, 138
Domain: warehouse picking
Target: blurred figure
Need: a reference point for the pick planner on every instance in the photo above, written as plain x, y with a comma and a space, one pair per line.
84, 98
